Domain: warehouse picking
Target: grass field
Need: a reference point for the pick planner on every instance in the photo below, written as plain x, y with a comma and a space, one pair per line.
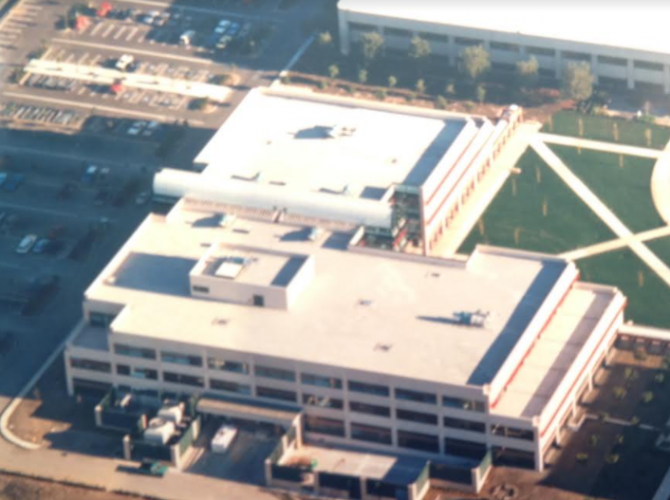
623, 183
536, 211
648, 296
661, 248
601, 128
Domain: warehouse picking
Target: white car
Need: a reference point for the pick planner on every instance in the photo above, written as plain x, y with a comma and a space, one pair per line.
124, 61
26, 243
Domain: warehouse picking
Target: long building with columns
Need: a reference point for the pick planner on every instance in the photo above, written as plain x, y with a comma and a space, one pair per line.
626, 45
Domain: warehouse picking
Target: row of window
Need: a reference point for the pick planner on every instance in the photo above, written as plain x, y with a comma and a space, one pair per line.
510, 47
405, 439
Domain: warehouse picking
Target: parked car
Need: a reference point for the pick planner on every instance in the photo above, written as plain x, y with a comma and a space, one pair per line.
101, 197
223, 42
90, 174
103, 176
3, 177
56, 231
186, 38
7, 342
41, 245
124, 62
155, 469
26, 243
142, 198
67, 190
13, 182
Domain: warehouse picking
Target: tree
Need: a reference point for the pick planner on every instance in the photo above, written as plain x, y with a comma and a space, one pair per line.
441, 102
528, 72
362, 76
578, 81
476, 62
333, 71
481, 93
393, 81
420, 86
419, 50
325, 39
371, 46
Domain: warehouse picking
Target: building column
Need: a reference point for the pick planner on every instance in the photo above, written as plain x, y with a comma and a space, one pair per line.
630, 75
453, 56
558, 62
345, 41
666, 78
539, 459
595, 71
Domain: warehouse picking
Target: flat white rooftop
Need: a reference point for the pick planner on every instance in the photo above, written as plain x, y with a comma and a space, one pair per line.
389, 313
327, 146
631, 25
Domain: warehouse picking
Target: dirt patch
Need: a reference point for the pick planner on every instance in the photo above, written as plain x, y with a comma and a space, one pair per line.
21, 488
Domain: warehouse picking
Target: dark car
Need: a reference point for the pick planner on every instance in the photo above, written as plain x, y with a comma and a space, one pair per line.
7, 342
67, 191
42, 245
13, 182
101, 198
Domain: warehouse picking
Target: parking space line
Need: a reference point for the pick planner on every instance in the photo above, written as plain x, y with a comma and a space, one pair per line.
116, 111
97, 28
131, 50
108, 31
83, 58
133, 32
70, 58
81, 91
119, 33
95, 60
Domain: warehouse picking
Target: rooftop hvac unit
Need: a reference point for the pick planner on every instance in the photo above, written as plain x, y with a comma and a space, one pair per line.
159, 431
223, 438
172, 413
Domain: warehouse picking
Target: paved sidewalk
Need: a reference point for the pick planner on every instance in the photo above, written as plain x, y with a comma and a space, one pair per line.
607, 147
601, 210
106, 76
608, 246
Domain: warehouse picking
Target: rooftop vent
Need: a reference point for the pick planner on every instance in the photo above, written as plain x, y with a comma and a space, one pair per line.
383, 347
219, 322
477, 319
231, 267
365, 302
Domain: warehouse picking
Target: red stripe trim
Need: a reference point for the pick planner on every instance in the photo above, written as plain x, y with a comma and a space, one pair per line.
530, 348
572, 387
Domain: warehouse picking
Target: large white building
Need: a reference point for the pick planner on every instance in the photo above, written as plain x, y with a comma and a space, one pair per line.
384, 350
404, 173
625, 43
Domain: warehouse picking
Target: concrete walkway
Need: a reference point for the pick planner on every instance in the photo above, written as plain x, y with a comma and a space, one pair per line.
488, 189
608, 246
106, 76
606, 147
660, 185
601, 210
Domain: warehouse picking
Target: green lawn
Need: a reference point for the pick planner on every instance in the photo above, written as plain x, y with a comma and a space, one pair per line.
648, 296
536, 211
626, 189
602, 128
661, 248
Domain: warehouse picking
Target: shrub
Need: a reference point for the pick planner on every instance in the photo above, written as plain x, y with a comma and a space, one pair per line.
285, 79
333, 71
350, 89
640, 355
582, 458
635, 421
594, 439
381, 94
619, 393
325, 39
441, 102
363, 76
420, 86
647, 397
659, 378
323, 85
612, 458
393, 81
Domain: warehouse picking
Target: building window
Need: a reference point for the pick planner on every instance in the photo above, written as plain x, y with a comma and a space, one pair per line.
648, 65
397, 32
513, 432
142, 373
322, 401
321, 381
613, 61
259, 301
468, 42
134, 352
181, 359
464, 425
362, 27
434, 37
269, 392
415, 416
576, 56
462, 448
180, 378
507, 47
99, 319
418, 441
372, 389
541, 51
501, 66
368, 409
371, 433
328, 426
274, 373
92, 365
227, 366
462, 404
224, 385
415, 396
200, 289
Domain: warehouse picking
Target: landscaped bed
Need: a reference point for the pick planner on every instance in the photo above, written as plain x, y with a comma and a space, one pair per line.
603, 128
623, 183
648, 296
536, 211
